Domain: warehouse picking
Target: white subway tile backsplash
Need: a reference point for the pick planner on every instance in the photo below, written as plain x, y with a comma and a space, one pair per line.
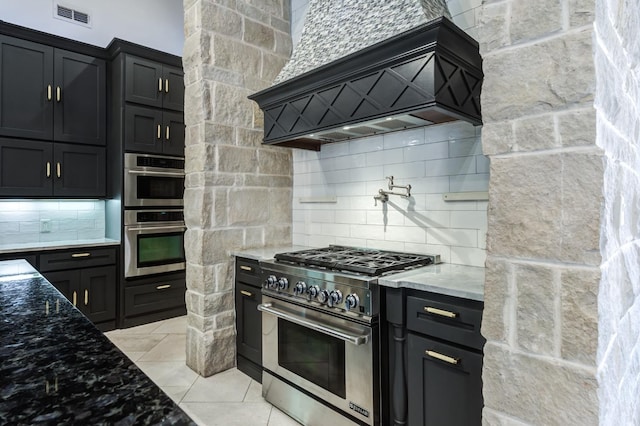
9, 228
434, 160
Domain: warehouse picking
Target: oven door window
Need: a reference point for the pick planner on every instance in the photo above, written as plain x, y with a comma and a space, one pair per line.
313, 356
160, 249
161, 188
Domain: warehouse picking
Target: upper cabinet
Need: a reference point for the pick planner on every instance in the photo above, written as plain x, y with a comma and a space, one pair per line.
48, 93
153, 84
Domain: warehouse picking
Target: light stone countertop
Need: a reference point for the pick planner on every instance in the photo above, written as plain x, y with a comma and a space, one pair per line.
266, 253
454, 280
56, 245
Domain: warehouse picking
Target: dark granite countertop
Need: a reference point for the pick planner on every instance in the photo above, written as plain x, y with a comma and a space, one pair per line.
57, 368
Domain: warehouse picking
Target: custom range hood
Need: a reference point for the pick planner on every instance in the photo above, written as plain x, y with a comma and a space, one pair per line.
427, 75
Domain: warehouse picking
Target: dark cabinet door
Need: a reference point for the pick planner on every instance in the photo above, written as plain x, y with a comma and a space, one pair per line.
249, 322
98, 293
444, 383
143, 129
173, 124
80, 98
67, 283
25, 168
26, 91
80, 171
173, 97
143, 81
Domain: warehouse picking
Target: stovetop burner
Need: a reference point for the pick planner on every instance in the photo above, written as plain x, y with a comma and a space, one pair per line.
359, 260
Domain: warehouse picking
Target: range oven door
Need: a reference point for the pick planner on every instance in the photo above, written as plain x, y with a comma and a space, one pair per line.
151, 180
151, 249
329, 357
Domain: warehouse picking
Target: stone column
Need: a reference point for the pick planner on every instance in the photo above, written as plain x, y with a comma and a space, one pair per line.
238, 192
544, 215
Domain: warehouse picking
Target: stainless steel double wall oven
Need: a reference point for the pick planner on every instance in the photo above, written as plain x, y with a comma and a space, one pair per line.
153, 214
320, 337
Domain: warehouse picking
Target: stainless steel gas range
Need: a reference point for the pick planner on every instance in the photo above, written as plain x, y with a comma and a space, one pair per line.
320, 337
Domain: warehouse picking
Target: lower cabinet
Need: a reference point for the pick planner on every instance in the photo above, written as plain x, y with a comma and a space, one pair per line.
248, 318
153, 298
433, 362
88, 278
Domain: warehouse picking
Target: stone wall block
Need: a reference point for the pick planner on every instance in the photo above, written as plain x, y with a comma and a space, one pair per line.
524, 214
225, 320
234, 159
193, 135
254, 13
196, 50
197, 103
193, 245
232, 78
275, 161
536, 316
543, 77
199, 323
530, 20
218, 243
535, 133
272, 7
221, 20
249, 137
243, 203
236, 56
201, 157
498, 300
580, 315
537, 391
278, 234
215, 133
232, 106
210, 352
259, 35
280, 201
218, 302
498, 138
258, 116
283, 44
271, 65
281, 24
254, 236
493, 29
200, 278
581, 12
577, 127
201, 203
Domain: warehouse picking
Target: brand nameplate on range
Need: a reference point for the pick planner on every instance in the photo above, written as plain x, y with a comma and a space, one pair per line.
359, 409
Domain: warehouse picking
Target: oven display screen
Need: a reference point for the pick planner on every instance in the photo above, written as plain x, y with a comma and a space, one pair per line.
163, 188
158, 249
313, 356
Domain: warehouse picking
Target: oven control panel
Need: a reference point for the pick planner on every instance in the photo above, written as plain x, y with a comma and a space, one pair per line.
327, 295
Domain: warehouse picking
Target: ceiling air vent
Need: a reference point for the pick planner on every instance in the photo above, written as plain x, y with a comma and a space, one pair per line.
71, 15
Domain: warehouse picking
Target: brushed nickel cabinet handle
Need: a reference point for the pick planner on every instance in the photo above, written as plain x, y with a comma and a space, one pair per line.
58, 94
159, 85
159, 131
86, 297
440, 312
81, 255
48, 169
167, 133
166, 85
49, 92
75, 298
246, 293
162, 287
441, 357
58, 170
246, 268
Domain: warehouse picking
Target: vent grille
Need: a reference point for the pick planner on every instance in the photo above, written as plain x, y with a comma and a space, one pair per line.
72, 15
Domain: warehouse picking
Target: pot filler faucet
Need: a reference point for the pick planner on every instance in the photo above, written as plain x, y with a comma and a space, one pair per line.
384, 195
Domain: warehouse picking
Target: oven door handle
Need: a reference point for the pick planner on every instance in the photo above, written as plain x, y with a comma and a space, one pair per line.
314, 325
151, 173
157, 228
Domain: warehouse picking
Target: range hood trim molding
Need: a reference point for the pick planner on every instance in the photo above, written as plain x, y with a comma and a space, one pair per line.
439, 39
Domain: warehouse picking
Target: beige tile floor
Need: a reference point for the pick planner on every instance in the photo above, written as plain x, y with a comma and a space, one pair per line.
229, 398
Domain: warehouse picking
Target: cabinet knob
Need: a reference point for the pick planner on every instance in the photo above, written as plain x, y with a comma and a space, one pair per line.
159, 85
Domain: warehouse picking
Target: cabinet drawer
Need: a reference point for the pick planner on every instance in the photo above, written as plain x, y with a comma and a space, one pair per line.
448, 318
79, 258
248, 271
161, 295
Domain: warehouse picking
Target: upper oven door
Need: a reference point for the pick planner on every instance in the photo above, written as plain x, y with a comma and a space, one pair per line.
153, 181
152, 249
328, 356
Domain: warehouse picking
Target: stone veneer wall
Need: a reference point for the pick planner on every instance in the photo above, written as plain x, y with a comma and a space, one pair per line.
617, 54
238, 192
545, 197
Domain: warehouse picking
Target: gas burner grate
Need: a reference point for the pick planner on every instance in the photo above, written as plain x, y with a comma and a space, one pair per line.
352, 259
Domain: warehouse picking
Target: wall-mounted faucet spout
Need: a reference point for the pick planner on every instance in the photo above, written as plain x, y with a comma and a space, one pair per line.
384, 195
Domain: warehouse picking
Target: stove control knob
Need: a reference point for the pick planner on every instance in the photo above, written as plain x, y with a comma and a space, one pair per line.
313, 292
283, 283
335, 297
351, 301
300, 288
271, 282
323, 296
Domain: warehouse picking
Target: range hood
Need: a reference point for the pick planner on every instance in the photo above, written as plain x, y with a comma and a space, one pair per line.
428, 75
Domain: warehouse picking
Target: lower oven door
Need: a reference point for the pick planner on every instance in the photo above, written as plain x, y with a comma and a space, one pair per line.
329, 357
153, 249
